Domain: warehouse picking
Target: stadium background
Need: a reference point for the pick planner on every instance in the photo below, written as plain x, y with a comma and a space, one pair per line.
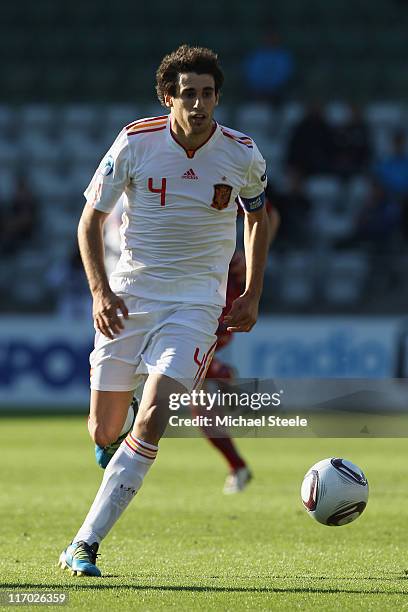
73, 74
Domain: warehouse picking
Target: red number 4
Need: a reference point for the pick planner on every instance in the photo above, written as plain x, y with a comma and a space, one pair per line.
162, 190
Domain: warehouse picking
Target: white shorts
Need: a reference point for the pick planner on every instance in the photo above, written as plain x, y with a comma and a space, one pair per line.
177, 340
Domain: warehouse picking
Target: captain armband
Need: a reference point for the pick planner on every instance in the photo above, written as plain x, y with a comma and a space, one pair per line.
252, 204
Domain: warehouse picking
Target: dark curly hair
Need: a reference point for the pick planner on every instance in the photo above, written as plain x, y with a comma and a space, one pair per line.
186, 59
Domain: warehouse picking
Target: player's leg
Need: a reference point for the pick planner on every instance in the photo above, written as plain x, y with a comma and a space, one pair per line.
110, 420
170, 357
107, 415
220, 439
125, 473
239, 474
175, 358
153, 414
108, 410
113, 371
113, 378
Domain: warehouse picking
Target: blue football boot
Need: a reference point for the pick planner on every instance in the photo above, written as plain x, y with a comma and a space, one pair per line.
104, 454
80, 558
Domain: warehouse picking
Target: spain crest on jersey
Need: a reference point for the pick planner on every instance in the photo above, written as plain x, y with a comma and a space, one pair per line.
221, 197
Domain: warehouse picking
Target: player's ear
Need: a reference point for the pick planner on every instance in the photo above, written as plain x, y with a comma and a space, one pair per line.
217, 98
168, 100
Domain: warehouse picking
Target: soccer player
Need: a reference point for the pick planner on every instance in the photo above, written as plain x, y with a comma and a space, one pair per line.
239, 475
180, 174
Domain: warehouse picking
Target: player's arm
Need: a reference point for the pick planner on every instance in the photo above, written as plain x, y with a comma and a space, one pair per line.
238, 264
244, 311
256, 244
105, 302
105, 189
257, 237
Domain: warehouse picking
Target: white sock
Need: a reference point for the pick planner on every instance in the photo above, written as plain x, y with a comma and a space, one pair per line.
122, 480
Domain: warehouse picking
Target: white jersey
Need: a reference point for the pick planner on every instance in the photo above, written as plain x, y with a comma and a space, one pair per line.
178, 227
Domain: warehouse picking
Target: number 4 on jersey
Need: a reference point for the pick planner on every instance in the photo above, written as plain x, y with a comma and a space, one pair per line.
162, 190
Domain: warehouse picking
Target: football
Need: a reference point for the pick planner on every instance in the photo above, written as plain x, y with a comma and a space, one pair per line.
334, 491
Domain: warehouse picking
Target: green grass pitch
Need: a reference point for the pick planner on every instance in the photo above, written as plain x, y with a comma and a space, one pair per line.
182, 545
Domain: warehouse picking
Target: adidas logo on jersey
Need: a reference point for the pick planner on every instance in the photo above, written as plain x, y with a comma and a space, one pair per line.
190, 174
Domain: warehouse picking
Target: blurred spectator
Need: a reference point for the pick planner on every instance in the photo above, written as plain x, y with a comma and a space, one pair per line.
311, 147
294, 210
378, 224
392, 171
352, 145
269, 69
18, 220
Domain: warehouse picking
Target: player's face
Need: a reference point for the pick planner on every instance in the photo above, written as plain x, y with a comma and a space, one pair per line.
194, 104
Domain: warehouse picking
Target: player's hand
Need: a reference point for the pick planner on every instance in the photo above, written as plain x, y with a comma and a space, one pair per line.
106, 306
243, 314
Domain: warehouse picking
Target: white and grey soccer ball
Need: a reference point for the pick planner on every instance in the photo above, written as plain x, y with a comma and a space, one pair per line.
127, 425
334, 491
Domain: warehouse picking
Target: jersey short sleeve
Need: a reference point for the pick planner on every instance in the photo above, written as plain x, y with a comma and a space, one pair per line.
252, 195
112, 176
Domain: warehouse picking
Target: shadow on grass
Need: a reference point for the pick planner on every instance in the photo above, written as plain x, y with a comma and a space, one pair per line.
197, 589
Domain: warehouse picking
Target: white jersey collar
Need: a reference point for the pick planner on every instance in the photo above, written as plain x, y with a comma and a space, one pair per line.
192, 153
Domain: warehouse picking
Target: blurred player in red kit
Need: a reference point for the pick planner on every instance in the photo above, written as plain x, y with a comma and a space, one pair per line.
239, 475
